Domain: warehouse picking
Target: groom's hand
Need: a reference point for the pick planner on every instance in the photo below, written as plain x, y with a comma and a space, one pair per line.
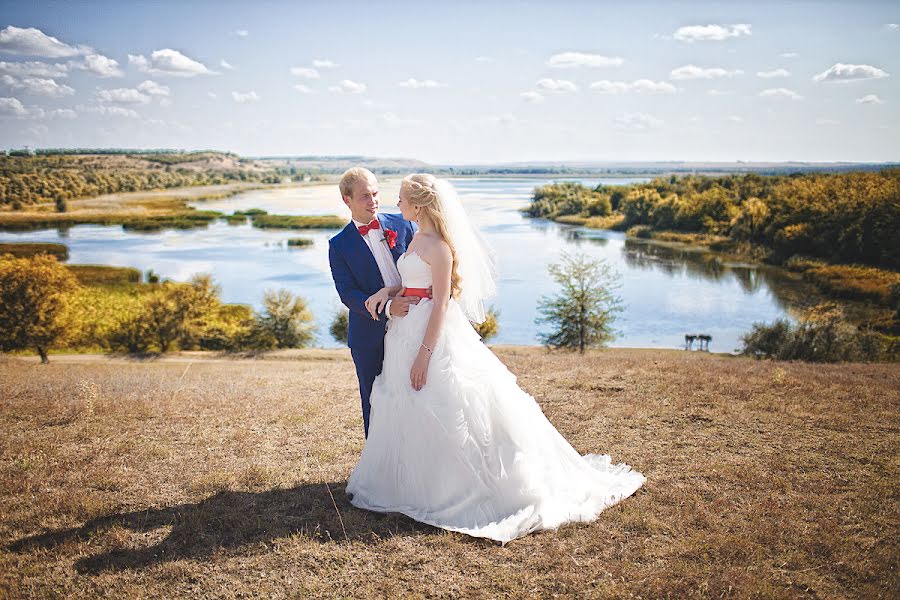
400, 305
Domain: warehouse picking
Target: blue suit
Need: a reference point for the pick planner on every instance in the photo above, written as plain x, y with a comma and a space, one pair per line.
356, 277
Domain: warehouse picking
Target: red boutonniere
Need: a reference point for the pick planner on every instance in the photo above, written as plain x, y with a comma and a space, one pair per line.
390, 237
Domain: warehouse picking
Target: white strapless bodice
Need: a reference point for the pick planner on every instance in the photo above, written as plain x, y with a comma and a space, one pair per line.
414, 272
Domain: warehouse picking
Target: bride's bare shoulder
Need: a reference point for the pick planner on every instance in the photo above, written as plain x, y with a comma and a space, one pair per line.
435, 249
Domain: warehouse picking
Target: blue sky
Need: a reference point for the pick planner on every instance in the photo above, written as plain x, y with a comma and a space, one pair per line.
459, 82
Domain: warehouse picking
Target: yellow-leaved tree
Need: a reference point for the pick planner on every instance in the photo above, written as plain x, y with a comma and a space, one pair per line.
34, 302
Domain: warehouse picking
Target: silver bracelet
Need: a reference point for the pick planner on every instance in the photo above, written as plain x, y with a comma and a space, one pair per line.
426, 347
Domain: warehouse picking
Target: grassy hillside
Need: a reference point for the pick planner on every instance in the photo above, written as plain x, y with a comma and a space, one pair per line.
59, 178
189, 476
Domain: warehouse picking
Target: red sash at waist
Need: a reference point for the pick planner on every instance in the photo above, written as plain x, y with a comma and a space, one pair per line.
420, 292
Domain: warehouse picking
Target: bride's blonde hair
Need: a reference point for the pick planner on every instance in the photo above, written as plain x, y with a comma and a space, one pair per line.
423, 193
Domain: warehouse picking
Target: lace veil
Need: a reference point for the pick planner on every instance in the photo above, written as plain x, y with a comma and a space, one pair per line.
476, 260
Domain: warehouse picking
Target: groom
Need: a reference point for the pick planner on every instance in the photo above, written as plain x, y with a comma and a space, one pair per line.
363, 259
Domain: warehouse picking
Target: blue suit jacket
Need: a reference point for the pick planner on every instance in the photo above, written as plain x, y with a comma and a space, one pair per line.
356, 276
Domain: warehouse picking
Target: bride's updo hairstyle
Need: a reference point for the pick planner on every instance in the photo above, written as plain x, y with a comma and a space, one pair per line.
422, 192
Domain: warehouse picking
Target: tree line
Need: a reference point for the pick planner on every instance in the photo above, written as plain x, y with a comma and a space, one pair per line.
115, 151
840, 217
56, 178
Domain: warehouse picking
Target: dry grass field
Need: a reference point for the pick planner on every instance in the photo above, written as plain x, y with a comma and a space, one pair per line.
197, 476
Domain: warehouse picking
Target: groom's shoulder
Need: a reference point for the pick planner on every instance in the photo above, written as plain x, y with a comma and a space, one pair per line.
340, 235
396, 221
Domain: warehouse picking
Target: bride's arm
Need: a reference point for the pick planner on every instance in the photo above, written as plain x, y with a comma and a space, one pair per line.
376, 301
441, 262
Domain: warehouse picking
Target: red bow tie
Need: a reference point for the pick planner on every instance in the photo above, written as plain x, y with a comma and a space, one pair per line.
374, 224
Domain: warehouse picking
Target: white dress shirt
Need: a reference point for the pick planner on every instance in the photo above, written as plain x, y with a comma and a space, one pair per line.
377, 244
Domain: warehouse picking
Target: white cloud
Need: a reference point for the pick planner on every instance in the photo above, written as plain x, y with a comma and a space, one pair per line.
636, 122
892, 26
303, 89
99, 65
34, 68
827, 122
349, 87
12, 107
61, 113
695, 72
419, 84
532, 97
773, 73
225, 65
119, 111
566, 60
45, 87
639, 86
123, 96
169, 62
324, 63
715, 92
484, 59
842, 72
788, 55
154, 89
114, 111
243, 98
870, 99
38, 86
735, 119
34, 42
556, 85
241, 32
212, 95
706, 33
780, 93
307, 72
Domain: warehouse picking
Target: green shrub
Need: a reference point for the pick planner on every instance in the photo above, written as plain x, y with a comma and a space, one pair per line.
285, 318
823, 335
30, 249
340, 325
298, 222
490, 326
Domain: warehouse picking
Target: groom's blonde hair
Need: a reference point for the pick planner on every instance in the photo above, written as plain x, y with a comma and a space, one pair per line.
353, 176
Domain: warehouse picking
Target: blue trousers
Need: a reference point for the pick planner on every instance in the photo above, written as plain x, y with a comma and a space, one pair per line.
368, 363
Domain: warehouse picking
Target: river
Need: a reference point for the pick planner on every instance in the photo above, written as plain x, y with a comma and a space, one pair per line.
667, 290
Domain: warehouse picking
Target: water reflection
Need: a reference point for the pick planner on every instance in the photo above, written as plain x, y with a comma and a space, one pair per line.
789, 291
673, 259
595, 236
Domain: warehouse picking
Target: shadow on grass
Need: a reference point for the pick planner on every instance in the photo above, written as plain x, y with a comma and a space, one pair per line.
232, 519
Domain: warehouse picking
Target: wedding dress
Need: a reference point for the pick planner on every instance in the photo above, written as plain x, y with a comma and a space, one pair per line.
471, 451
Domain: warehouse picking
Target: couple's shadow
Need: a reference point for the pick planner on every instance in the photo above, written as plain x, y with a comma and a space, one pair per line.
232, 519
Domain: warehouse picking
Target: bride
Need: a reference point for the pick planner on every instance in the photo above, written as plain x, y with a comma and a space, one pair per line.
453, 441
